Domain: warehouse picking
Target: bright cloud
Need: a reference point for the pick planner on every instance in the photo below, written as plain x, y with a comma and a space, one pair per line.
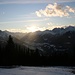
55, 10
33, 28
49, 23
16, 30
28, 29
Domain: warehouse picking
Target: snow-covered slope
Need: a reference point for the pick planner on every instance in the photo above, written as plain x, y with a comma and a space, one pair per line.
36, 71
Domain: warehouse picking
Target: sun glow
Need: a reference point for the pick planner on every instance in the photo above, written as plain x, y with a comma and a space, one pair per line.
33, 29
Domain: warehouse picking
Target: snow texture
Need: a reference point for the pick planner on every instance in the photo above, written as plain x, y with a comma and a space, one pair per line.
36, 71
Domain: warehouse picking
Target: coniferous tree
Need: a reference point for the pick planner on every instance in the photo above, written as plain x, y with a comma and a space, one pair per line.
10, 50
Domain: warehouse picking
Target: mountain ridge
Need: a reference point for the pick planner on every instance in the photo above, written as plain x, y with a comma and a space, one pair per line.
58, 37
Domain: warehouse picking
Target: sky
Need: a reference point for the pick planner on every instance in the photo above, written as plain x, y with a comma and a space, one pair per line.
34, 15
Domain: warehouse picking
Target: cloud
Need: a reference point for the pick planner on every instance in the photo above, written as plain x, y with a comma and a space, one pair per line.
55, 10
25, 21
70, 9
38, 14
16, 30
50, 23
27, 29
32, 1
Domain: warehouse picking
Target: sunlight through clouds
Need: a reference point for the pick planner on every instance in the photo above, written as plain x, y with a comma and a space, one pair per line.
34, 28
28, 29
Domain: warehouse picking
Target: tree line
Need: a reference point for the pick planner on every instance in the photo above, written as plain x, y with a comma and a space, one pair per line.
15, 54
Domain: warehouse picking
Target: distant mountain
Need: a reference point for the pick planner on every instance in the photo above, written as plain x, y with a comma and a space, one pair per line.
45, 36
56, 39
52, 46
17, 35
4, 35
63, 30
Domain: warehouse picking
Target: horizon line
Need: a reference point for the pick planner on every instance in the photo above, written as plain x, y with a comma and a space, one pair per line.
37, 30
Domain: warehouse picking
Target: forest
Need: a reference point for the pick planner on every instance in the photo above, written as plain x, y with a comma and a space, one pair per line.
15, 54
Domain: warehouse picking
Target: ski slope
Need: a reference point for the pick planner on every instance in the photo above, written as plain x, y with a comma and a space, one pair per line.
36, 71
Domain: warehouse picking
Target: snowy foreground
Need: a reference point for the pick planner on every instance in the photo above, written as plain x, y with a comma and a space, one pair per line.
37, 71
